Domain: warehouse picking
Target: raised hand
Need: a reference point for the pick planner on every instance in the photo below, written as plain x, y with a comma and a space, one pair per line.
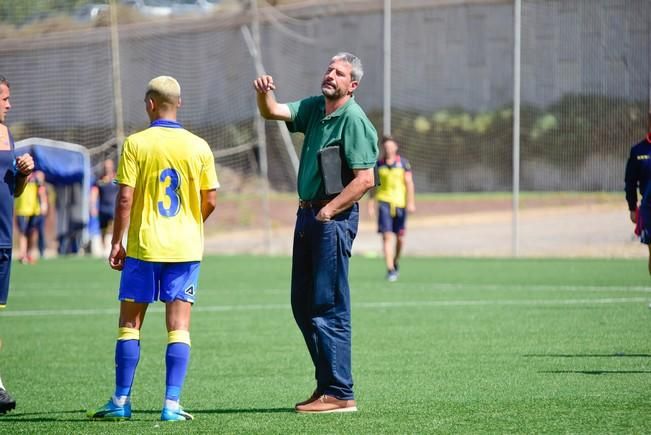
264, 84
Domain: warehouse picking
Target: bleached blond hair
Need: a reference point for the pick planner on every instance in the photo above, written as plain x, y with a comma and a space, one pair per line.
165, 87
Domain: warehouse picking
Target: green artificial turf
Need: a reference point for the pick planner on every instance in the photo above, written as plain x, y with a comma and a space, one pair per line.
455, 346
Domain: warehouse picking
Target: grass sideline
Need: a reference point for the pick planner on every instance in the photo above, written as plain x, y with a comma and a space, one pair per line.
455, 346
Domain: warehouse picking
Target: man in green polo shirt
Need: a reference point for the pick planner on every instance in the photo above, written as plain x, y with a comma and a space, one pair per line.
326, 225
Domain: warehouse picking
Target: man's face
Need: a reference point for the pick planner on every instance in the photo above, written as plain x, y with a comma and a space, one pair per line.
5, 105
337, 81
390, 148
108, 167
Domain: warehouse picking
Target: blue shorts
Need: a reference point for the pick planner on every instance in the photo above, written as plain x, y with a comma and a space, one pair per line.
147, 281
27, 224
105, 219
387, 223
5, 268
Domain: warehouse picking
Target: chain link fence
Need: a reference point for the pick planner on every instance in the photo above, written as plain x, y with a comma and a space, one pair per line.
585, 76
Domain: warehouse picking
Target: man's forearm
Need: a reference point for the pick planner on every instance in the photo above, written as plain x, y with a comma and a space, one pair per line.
630, 183
120, 224
42, 199
265, 104
271, 109
352, 193
631, 198
206, 210
121, 219
208, 203
21, 182
410, 193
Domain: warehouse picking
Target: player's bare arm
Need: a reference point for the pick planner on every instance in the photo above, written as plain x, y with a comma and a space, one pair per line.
411, 200
371, 203
208, 202
267, 104
24, 166
364, 179
121, 222
94, 197
633, 216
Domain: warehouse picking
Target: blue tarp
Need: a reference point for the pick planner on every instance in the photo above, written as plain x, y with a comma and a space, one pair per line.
67, 167
63, 163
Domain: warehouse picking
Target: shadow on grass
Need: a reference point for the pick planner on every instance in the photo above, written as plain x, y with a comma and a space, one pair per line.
4, 420
597, 372
42, 417
590, 355
226, 411
14, 413
242, 411
33, 417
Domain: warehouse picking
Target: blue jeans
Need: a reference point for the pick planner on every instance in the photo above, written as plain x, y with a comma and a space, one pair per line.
321, 295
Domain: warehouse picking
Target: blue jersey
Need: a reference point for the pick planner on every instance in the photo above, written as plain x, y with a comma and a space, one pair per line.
7, 187
108, 191
638, 174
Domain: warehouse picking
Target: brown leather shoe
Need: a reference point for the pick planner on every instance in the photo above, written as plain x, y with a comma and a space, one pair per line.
315, 395
326, 404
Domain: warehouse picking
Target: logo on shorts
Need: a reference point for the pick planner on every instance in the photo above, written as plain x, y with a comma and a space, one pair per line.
190, 291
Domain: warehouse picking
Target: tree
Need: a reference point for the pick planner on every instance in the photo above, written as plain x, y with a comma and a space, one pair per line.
19, 11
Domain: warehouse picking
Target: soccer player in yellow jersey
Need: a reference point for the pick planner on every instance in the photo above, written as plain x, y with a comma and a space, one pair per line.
30, 209
395, 196
167, 190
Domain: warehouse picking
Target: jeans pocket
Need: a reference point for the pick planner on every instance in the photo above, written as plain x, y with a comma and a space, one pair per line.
325, 260
352, 225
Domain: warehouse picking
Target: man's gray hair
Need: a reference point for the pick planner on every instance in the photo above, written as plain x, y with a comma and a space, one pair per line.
358, 70
4, 81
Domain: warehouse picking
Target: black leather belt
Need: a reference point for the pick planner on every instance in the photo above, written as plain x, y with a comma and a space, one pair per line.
316, 203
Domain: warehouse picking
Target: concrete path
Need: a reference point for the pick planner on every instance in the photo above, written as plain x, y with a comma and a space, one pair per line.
601, 230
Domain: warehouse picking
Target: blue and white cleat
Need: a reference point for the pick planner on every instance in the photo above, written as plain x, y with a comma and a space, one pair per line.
178, 415
111, 412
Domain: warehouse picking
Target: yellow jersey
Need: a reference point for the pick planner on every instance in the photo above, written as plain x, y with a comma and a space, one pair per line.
393, 188
28, 204
168, 167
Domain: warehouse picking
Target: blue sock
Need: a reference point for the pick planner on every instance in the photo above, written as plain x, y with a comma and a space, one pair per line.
177, 358
127, 354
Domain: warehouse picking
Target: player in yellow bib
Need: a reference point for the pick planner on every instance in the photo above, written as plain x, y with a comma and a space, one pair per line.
395, 196
167, 190
30, 208
167, 167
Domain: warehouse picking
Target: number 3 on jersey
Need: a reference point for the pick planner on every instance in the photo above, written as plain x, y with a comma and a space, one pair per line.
171, 191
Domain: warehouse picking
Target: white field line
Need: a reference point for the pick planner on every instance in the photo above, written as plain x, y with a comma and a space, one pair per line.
528, 288
370, 305
434, 286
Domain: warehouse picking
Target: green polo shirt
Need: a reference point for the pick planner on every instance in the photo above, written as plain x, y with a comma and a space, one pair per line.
347, 126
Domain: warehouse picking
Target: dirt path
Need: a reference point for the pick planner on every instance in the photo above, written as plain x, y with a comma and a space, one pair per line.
546, 230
